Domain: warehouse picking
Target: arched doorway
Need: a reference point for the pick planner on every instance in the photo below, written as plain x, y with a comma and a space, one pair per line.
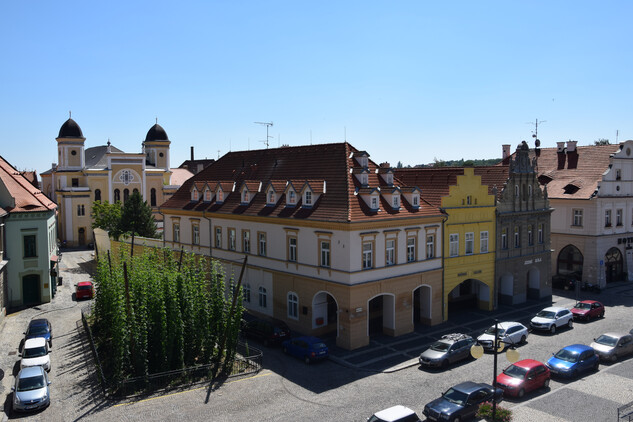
325, 312
381, 318
613, 265
31, 289
422, 305
506, 289
570, 262
469, 294
533, 283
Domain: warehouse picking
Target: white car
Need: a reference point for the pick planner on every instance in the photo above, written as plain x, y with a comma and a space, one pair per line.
551, 318
35, 353
510, 333
394, 414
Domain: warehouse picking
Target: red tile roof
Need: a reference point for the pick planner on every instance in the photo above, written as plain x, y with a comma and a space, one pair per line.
26, 196
179, 176
580, 181
434, 182
314, 164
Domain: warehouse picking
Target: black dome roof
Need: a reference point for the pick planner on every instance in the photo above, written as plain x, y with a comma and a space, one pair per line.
70, 129
156, 133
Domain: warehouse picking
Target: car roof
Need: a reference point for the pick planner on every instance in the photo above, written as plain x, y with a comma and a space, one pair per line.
85, 283
394, 413
35, 342
555, 308
588, 301
508, 324
617, 335
528, 363
30, 371
469, 386
578, 348
40, 321
309, 339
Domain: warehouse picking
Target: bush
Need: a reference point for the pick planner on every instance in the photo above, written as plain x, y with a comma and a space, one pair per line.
502, 414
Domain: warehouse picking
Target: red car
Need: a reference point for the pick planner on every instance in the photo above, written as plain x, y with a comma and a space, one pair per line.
523, 376
84, 290
588, 309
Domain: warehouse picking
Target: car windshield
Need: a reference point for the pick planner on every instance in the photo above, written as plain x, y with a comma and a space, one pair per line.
37, 330
31, 383
455, 396
491, 331
440, 346
84, 287
34, 352
515, 371
607, 340
567, 355
546, 314
580, 305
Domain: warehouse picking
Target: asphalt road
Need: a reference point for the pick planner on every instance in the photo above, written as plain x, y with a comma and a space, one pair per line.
288, 390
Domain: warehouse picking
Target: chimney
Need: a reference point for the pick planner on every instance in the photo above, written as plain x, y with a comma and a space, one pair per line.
191, 153
54, 166
385, 165
571, 146
561, 155
505, 153
572, 155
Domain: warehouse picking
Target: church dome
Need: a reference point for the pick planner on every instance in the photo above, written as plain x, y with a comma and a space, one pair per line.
70, 129
156, 133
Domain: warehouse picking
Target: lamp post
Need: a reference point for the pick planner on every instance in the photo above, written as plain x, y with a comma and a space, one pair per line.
498, 346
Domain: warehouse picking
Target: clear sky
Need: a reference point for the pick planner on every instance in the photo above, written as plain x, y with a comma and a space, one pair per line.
406, 81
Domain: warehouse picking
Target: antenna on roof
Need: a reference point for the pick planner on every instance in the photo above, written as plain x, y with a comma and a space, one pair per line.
156, 120
218, 154
310, 136
617, 134
70, 114
535, 132
268, 124
345, 133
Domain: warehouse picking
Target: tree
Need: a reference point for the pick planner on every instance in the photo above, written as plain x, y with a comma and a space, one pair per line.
137, 217
602, 141
107, 216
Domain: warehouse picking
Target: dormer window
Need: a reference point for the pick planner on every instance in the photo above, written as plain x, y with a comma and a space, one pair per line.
364, 179
220, 196
245, 196
271, 197
308, 198
194, 194
292, 199
207, 195
396, 201
389, 179
415, 201
374, 202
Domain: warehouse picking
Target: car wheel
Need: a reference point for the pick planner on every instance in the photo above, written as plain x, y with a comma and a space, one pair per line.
521, 393
445, 364
596, 366
570, 324
552, 329
546, 383
307, 360
457, 419
602, 315
523, 339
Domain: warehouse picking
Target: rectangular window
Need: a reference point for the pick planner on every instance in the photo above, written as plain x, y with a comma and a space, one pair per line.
218, 237
504, 239
325, 253
618, 217
246, 293
232, 239
308, 197
410, 249
469, 243
483, 242
577, 218
196, 234
374, 203
368, 252
453, 243
262, 244
390, 252
293, 306
607, 218
262, 297
292, 249
541, 235
430, 246
176, 232
30, 246
246, 241
75, 183
81, 210
517, 237
530, 236
396, 202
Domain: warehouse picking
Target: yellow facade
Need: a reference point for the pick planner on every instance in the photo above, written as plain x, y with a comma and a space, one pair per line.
469, 260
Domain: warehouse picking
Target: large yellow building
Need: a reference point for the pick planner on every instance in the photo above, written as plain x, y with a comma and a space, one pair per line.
106, 173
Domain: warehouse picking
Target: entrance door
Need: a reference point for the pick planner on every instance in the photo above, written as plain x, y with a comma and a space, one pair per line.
82, 236
31, 289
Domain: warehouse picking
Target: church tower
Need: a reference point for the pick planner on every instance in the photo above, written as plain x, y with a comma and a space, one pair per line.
156, 147
70, 147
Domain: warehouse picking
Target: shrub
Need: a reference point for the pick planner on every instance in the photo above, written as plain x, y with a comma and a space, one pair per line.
502, 414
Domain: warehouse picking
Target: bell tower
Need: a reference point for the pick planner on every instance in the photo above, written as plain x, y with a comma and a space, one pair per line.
70, 147
156, 147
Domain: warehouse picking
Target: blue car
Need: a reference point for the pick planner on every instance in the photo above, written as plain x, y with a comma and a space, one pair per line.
307, 348
40, 328
572, 360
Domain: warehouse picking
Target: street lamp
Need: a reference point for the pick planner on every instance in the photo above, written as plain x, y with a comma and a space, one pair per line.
512, 355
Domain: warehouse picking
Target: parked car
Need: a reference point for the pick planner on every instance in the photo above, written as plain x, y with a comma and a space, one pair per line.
84, 290
461, 401
30, 391
572, 360
522, 377
40, 328
308, 348
552, 317
35, 353
449, 349
267, 331
588, 309
611, 346
394, 414
508, 332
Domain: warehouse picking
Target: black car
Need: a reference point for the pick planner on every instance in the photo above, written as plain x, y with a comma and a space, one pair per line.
268, 331
40, 328
461, 402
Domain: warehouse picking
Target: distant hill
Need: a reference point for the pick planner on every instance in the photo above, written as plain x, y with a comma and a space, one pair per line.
457, 163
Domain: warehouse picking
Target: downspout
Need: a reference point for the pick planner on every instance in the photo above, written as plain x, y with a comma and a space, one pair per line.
443, 271
204, 215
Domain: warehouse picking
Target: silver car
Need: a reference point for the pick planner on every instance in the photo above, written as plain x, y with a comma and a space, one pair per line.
611, 346
31, 391
551, 318
450, 348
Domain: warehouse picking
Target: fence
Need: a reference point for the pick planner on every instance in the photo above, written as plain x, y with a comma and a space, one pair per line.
248, 360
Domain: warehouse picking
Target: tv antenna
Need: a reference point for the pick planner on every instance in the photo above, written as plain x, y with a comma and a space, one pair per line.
537, 141
268, 124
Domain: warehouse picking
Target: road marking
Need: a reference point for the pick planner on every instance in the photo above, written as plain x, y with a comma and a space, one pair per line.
189, 391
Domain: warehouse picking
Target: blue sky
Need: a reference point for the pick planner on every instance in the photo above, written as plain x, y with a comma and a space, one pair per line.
406, 81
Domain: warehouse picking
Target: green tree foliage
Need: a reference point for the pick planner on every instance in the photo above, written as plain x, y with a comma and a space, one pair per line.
153, 313
602, 141
137, 217
107, 216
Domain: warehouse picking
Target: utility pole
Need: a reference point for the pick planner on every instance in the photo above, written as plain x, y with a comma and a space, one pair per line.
268, 125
